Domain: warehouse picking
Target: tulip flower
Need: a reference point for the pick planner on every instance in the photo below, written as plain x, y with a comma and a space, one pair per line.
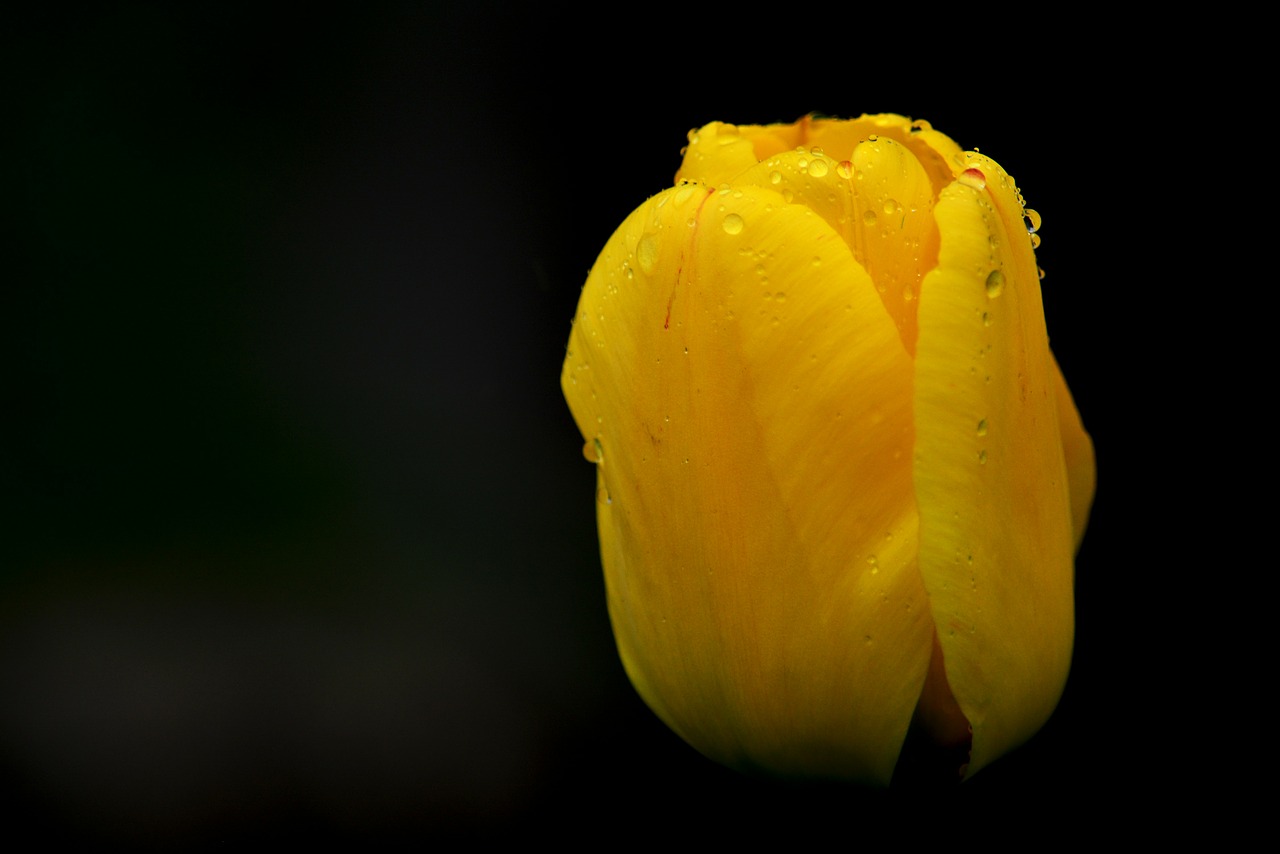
841, 479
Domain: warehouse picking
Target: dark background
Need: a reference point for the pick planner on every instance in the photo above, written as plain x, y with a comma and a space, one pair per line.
298, 540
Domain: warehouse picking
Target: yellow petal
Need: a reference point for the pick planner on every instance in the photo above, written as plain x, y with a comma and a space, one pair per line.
718, 153
881, 205
1078, 448
897, 235
748, 399
935, 151
996, 541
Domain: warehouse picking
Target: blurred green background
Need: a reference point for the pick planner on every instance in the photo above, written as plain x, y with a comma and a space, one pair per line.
298, 541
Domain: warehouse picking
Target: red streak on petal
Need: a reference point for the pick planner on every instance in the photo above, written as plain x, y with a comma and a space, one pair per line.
666, 324
697, 220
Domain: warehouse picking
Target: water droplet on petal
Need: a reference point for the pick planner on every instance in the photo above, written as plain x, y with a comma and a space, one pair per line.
982, 427
995, 283
775, 177
1033, 220
973, 178
647, 253
818, 168
982, 458
844, 169
733, 224
593, 451
1035, 241
868, 217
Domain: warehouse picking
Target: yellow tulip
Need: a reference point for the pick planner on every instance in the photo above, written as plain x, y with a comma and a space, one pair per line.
841, 479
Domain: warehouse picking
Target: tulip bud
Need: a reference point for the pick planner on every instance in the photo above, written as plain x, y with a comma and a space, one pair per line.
841, 479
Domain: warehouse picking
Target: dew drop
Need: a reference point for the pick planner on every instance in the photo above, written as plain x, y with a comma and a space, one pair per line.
602, 496
818, 168
995, 283
986, 319
775, 177
733, 224
874, 563
593, 451
683, 194
647, 253
920, 125
982, 457
890, 206
973, 178
844, 169
1040, 272
868, 217
1033, 220
1035, 241
982, 427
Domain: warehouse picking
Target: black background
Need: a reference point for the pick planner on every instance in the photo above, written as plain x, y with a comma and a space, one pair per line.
298, 538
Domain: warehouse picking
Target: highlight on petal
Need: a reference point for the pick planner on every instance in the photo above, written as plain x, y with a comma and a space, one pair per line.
996, 543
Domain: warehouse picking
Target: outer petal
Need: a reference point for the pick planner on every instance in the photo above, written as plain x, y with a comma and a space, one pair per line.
996, 540
749, 403
1078, 448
